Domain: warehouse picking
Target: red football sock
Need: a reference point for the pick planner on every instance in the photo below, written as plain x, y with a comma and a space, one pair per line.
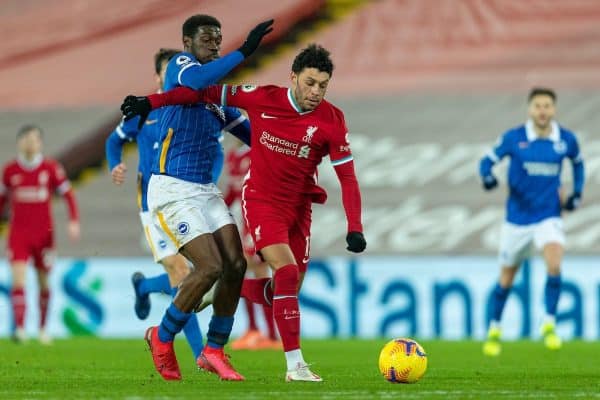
17, 298
44, 300
255, 291
268, 311
285, 306
251, 315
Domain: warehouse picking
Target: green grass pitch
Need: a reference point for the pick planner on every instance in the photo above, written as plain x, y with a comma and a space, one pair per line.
86, 368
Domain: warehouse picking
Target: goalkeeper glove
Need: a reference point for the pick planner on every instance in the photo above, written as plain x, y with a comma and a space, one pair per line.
356, 242
254, 37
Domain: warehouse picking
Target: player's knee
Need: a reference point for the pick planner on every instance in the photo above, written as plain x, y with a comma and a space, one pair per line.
287, 280
235, 269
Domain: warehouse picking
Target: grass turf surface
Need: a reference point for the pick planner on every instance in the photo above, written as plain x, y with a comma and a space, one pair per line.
122, 369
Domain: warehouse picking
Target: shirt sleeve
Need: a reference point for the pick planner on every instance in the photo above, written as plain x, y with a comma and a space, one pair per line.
187, 71
500, 150
339, 144
237, 124
578, 169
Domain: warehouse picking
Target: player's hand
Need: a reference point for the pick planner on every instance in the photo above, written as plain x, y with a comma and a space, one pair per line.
356, 242
136, 105
74, 230
490, 182
254, 37
573, 202
118, 174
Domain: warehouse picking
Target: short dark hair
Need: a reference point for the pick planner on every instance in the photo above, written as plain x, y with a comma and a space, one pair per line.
190, 26
540, 91
313, 56
163, 55
25, 129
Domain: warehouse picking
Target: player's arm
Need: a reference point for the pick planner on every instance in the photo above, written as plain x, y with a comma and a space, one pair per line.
343, 163
125, 132
574, 200
237, 124
241, 96
63, 188
3, 194
493, 156
197, 76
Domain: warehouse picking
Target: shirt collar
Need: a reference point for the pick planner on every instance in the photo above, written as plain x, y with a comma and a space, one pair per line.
295, 105
532, 135
30, 164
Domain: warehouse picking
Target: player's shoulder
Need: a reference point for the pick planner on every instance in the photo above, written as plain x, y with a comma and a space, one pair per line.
335, 112
566, 134
10, 166
515, 133
182, 59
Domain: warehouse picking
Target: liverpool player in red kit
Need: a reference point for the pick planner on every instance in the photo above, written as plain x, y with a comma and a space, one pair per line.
28, 183
292, 130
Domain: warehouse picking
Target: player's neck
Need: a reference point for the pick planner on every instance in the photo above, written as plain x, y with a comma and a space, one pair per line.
29, 161
542, 131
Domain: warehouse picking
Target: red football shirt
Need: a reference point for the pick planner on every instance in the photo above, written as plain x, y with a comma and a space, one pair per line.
287, 143
29, 187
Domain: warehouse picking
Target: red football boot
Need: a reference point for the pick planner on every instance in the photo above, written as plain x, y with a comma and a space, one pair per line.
163, 355
216, 361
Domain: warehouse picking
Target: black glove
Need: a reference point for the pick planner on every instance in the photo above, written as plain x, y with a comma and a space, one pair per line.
356, 242
573, 202
489, 182
133, 106
254, 37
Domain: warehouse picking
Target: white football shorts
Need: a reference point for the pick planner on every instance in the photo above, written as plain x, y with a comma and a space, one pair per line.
185, 210
517, 242
158, 240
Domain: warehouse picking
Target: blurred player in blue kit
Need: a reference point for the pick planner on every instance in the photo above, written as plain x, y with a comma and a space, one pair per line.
188, 206
535, 202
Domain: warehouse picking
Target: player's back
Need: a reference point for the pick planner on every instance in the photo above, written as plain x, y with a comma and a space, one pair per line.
288, 144
30, 187
189, 135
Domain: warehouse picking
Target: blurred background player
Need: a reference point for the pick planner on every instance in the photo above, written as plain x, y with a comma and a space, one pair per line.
162, 248
188, 205
292, 130
533, 208
237, 162
28, 183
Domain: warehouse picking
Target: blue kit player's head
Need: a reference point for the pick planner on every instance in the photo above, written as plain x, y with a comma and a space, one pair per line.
202, 37
542, 107
161, 59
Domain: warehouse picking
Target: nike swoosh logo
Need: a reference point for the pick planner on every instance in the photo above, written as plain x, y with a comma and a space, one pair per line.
267, 116
305, 260
151, 121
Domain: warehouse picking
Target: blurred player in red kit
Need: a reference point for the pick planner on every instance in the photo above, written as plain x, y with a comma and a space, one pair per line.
293, 129
28, 183
237, 162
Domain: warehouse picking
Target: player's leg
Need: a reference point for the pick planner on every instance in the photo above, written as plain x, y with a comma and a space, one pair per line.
177, 209
515, 246
550, 238
18, 255
17, 298
177, 269
227, 291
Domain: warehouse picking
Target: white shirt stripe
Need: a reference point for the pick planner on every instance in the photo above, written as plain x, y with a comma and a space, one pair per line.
234, 123
63, 187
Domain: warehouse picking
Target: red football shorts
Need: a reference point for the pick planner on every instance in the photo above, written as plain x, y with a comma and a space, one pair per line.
38, 246
273, 224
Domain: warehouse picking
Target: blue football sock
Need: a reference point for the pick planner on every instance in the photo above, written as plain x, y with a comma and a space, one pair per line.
172, 323
192, 332
499, 300
219, 330
552, 293
156, 284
